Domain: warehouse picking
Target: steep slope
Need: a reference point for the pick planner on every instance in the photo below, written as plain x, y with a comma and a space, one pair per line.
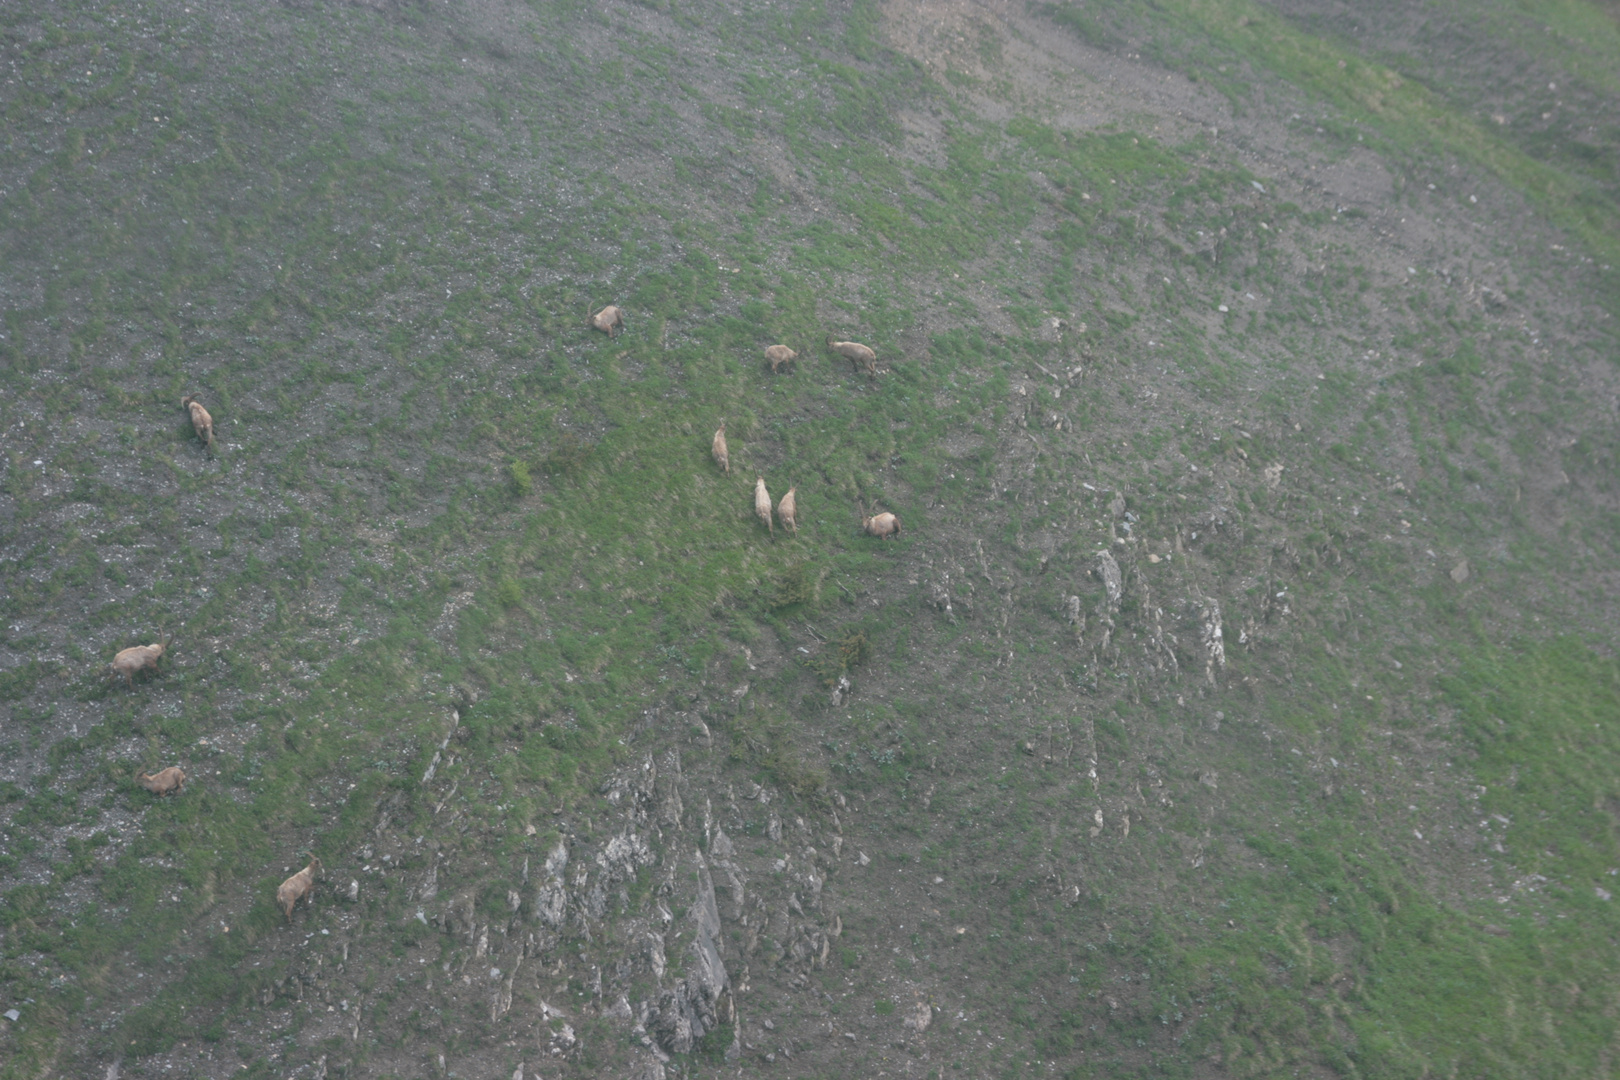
1237, 697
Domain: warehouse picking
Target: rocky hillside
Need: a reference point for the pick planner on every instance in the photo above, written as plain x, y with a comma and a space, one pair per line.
1237, 697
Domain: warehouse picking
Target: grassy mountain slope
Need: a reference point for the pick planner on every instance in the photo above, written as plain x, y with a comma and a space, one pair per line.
1238, 698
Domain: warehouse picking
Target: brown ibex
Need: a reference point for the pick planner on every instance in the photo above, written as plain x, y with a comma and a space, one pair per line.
297, 887
721, 458
610, 320
762, 503
881, 525
163, 782
788, 512
201, 422
859, 356
138, 658
779, 356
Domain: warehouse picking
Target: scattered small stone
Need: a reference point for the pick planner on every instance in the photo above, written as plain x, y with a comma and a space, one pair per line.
769, 1026
352, 895
861, 859
13, 1015
1459, 573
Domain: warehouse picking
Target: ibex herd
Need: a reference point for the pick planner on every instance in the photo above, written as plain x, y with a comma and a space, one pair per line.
201, 422
610, 320
881, 525
171, 781
138, 658
132, 661
164, 782
298, 886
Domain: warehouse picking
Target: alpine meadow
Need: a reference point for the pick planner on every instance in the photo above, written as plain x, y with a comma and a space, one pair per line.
848, 538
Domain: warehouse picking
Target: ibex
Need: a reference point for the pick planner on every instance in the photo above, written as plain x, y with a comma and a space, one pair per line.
762, 503
721, 458
138, 658
163, 782
788, 512
609, 320
859, 356
882, 525
297, 887
201, 422
779, 356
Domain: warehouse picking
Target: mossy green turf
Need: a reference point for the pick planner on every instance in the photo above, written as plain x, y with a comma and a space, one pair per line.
381, 295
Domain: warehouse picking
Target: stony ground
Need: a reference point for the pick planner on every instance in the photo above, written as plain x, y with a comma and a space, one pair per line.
1237, 699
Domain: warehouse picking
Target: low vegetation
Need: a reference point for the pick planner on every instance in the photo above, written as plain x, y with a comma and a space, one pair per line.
1237, 700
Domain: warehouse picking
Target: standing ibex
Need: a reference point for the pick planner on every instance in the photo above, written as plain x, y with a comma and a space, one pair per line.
138, 658
762, 503
201, 422
297, 887
859, 356
163, 782
721, 458
788, 512
881, 525
779, 356
610, 320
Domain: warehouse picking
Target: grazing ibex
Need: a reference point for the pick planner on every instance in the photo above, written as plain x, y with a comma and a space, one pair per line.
859, 356
138, 658
882, 525
162, 782
297, 887
762, 503
201, 422
721, 458
610, 320
788, 512
779, 356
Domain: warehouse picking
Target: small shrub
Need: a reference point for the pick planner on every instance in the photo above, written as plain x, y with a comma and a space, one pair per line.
840, 656
797, 585
714, 1044
518, 478
568, 454
765, 745
508, 594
